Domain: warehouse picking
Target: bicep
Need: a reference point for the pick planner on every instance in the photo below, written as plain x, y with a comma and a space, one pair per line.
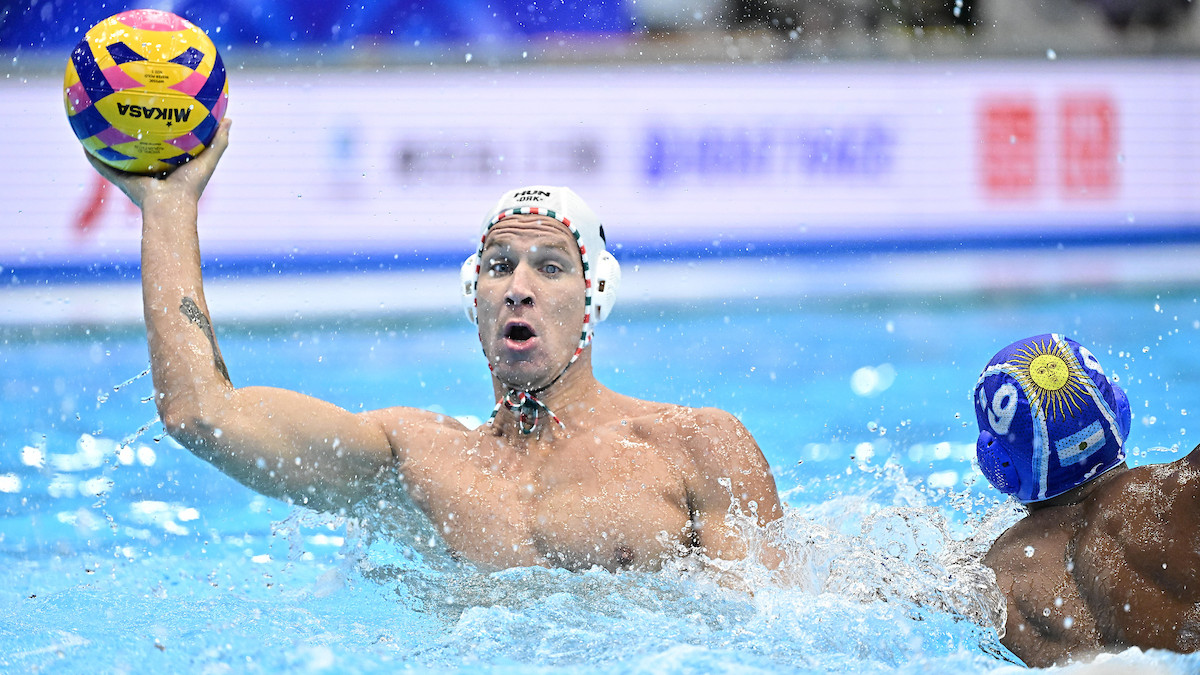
289, 445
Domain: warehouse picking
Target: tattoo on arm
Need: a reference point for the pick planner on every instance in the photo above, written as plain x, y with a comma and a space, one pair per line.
191, 310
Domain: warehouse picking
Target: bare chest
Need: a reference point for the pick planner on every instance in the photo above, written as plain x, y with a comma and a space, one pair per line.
603, 501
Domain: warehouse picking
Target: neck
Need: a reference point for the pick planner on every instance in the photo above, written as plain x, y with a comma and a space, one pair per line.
568, 397
1081, 493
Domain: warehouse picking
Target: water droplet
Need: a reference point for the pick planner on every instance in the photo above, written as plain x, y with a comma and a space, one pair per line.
1051, 54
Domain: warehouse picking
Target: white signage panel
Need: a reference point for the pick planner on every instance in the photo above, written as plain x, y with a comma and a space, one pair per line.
387, 165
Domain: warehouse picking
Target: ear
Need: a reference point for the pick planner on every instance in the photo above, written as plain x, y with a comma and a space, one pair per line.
607, 281
468, 274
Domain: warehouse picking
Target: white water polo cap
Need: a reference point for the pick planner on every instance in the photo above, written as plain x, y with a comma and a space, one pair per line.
601, 273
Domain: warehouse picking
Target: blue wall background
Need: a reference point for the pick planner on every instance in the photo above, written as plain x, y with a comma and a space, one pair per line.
55, 24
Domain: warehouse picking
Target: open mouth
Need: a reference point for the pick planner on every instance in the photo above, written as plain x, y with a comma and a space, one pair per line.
519, 332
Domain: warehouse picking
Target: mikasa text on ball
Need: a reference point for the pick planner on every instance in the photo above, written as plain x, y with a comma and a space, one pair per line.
145, 91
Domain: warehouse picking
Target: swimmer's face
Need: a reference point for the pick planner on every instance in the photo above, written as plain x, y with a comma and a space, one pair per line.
530, 300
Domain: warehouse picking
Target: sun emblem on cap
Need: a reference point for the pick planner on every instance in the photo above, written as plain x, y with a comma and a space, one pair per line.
1053, 379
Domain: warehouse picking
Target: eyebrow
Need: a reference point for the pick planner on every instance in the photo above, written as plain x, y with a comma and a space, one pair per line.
502, 241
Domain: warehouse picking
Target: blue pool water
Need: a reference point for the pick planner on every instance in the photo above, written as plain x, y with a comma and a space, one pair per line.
122, 552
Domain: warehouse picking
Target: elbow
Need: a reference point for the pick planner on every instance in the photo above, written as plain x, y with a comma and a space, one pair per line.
177, 422
188, 423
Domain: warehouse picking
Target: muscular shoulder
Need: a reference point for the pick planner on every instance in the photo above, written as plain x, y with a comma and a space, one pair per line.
723, 468
699, 432
1159, 493
412, 431
719, 434
707, 444
1147, 514
718, 446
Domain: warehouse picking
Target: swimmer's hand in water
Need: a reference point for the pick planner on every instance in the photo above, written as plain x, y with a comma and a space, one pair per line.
186, 182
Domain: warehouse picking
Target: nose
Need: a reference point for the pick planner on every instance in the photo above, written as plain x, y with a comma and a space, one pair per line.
520, 287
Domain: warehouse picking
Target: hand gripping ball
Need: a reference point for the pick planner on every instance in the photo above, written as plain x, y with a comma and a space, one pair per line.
145, 91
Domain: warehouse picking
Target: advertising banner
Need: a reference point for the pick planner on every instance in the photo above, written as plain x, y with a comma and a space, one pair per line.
400, 165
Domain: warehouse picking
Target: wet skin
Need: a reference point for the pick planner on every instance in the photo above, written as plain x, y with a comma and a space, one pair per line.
626, 484
1113, 564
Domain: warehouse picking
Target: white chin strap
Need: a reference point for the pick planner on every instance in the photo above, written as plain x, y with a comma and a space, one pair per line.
526, 408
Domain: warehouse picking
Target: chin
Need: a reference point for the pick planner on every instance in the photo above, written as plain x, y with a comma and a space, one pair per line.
525, 371
523, 379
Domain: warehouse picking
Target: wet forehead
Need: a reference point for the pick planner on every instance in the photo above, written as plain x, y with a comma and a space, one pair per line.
530, 229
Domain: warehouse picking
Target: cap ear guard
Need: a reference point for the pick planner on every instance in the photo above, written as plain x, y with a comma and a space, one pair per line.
996, 464
467, 275
608, 280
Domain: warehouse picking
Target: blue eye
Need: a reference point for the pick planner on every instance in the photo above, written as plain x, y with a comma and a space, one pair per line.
551, 268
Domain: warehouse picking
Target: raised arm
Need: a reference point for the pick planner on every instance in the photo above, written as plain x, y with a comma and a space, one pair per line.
281, 443
729, 471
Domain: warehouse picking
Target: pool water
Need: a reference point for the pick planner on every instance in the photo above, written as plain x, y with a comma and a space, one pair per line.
123, 552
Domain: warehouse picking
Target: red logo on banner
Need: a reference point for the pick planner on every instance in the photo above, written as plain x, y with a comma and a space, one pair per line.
1088, 146
1009, 161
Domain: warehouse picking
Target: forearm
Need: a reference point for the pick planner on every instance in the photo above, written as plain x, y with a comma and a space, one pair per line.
189, 374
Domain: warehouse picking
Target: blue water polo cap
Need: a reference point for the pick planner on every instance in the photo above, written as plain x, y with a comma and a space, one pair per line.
1049, 419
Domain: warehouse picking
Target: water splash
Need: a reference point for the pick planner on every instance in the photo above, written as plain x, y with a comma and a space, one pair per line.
104, 396
137, 433
866, 583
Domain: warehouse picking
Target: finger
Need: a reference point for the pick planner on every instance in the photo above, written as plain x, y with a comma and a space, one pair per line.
207, 161
219, 143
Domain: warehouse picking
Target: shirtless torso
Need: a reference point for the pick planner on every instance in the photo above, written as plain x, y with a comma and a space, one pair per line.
1110, 565
631, 491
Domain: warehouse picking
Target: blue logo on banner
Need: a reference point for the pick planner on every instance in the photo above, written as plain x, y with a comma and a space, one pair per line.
849, 150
